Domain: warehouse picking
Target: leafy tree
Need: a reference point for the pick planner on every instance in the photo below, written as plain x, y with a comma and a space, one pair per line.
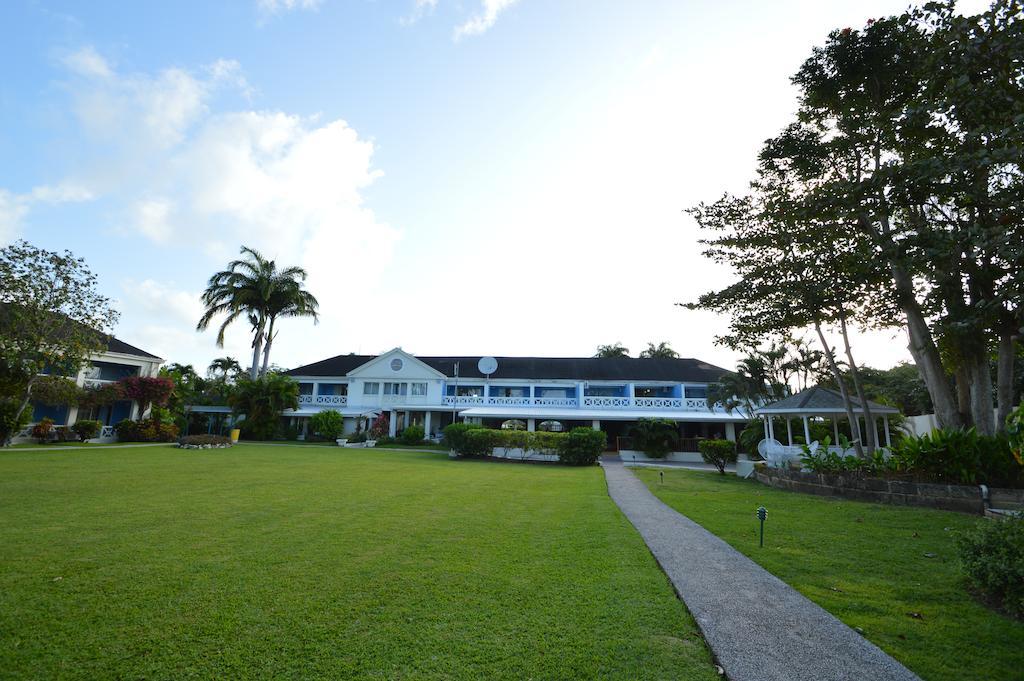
659, 351
262, 400
328, 424
612, 351
253, 287
894, 199
224, 368
52, 318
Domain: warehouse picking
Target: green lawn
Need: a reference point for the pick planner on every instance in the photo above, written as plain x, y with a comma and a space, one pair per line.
308, 562
872, 566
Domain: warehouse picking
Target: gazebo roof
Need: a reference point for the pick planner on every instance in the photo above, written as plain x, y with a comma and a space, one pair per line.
818, 401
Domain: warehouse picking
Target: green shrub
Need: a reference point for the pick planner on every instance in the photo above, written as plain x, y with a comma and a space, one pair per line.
43, 430
386, 440
328, 424
203, 440
357, 437
480, 442
959, 457
87, 429
718, 452
655, 437
581, 446
992, 558
455, 435
413, 435
146, 430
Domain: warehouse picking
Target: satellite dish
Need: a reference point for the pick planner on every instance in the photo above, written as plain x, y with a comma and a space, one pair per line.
487, 365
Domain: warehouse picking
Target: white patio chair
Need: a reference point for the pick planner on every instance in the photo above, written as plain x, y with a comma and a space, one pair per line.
773, 452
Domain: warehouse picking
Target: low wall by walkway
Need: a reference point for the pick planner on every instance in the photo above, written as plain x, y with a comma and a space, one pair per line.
517, 454
963, 498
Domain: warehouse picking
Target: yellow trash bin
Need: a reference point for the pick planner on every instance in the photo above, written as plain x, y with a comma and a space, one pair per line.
235, 432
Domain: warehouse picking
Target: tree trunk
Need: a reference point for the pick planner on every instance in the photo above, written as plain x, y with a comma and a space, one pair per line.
1004, 379
854, 425
257, 348
925, 354
982, 410
266, 348
869, 419
963, 393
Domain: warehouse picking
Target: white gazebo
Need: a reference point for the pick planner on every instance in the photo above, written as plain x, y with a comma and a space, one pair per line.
822, 402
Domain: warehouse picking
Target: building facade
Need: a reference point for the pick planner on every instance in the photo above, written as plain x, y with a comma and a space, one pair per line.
543, 393
118, 361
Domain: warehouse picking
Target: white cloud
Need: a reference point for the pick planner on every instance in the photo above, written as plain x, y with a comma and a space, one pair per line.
88, 62
15, 208
419, 9
268, 7
290, 186
484, 19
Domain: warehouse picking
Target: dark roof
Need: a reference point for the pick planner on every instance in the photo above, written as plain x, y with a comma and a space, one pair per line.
566, 368
817, 400
116, 345
113, 344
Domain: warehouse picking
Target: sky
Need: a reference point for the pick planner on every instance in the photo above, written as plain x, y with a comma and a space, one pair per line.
502, 177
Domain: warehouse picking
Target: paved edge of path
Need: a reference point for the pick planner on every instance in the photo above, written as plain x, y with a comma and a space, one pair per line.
758, 627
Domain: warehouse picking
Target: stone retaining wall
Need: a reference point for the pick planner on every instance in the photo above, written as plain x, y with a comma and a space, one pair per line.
967, 499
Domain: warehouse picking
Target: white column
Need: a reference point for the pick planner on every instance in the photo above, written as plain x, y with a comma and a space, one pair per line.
789, 431
531, 425
392, 425
596, 424
580, 390
764, 420
807, 432
426, 423
874, 426
885, 422
730, 432
771, 428
835, 430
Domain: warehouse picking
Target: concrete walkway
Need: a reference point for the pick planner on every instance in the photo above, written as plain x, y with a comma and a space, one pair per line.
759, 628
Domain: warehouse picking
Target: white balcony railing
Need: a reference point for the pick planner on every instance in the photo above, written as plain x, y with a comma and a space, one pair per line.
593, 402
324, 400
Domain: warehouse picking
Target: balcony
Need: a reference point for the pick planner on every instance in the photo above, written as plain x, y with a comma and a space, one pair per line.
324, 400
673, 403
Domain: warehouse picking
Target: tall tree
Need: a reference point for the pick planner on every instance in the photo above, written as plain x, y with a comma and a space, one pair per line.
659, 351
612, 351
52, 318
224, 368
254, 288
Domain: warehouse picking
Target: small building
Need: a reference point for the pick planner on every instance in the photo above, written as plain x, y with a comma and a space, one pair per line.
820, 402
544, 393
119, 360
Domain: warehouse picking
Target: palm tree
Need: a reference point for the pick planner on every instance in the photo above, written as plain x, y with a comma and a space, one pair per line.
612, 351
659, 351
253, 287
289, 299
225, 366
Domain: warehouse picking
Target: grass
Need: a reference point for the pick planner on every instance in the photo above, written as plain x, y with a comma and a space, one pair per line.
891, 571
307, 562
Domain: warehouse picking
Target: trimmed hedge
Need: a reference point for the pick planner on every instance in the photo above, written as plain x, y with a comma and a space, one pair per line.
413, 435
580, 446
328, 424
718, 453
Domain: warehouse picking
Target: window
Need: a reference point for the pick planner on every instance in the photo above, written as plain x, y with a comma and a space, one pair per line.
396, 388
700, 391
371, 388
418, 389
502, 391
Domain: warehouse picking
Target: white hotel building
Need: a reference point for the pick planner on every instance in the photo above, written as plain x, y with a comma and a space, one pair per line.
606, 394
